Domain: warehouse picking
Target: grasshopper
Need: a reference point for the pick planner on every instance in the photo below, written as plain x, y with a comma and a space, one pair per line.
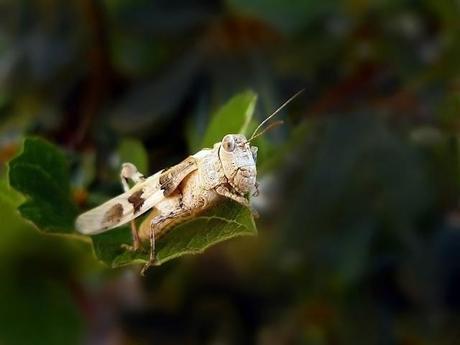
227, 170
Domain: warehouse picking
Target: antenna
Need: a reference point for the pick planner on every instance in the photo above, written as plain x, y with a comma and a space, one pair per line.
266, 129
274, 113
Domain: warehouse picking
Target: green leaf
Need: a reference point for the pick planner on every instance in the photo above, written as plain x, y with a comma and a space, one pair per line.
132, 151
227, 220
41, 174
233, 117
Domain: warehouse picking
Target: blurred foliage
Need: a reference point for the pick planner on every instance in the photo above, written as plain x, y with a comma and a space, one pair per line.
233, 117
359, 231
131, 150
39, 287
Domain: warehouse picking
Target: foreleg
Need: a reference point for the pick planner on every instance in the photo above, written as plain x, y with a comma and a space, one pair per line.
225, 192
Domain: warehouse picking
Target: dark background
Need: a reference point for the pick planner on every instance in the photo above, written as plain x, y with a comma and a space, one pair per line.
359, 234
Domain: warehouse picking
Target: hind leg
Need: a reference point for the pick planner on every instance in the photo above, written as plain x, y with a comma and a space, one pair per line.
157, 224
129, 172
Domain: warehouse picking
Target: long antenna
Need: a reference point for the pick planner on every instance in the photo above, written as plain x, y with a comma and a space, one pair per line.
274, 113
266, 129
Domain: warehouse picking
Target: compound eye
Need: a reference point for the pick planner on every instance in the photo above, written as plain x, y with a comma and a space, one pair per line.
228, 143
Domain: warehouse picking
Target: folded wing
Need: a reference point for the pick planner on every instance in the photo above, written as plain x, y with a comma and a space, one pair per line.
138, 200
121, 209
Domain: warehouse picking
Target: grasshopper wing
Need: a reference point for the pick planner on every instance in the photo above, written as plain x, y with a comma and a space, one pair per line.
121, 209
138, 200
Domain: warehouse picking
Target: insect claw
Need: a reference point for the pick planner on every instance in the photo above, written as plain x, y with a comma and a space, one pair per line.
256, 190
144, 269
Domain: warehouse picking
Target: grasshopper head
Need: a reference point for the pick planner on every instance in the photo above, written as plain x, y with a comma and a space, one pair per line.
238, 160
